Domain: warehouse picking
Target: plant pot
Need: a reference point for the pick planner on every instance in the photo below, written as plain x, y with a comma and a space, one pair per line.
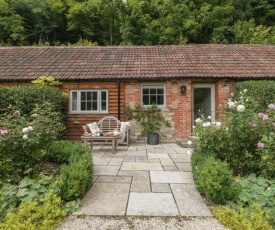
153, 138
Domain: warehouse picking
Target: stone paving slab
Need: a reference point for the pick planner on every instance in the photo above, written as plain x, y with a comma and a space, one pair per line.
185, 167
105, 199
158, 155
180, 158
132, 166
170, 168
160, 188
106, 170
129, 159
167, 162
171, 177
152, 204
189, 200
161, 150
133, 173
101, 161
116, 161
114, 179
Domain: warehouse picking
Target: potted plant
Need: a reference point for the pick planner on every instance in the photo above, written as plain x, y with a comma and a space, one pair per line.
151, 120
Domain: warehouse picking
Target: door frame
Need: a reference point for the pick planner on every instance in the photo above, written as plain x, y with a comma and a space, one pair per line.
212, 86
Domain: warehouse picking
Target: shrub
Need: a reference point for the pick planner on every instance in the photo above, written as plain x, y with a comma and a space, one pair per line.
44, 215
215, 180
251, 219
256, 190
60, 151
23, 139
77, 171
28, 190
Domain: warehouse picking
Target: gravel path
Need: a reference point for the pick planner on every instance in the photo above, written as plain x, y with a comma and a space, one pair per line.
142, 223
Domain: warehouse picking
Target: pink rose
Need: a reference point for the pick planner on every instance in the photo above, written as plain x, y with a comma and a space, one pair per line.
260, 114
260, 145
265, 117
4, 132
271, 106
17, 112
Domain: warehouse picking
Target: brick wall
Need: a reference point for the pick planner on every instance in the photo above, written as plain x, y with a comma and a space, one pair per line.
178, 106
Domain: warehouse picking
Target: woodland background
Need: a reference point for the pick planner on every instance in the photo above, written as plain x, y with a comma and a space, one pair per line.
136, 22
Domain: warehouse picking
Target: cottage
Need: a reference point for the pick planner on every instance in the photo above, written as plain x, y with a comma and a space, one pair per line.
184, 80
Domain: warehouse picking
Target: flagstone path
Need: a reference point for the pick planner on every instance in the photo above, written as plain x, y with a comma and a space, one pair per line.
143, 180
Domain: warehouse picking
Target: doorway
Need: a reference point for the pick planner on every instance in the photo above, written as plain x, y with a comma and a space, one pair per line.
203, 101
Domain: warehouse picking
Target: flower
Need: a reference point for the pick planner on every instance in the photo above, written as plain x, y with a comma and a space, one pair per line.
198, 120
30, 128
34, 115
189, 142
226, 129
218, 124
25, 130
260, 114
260, 145
16, 112
245, 90
231, 104
4, 132
206, 124
265, 117
25, 137
240, 108
271, 106
209, 117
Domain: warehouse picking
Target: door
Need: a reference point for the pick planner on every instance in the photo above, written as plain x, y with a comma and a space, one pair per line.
203, 101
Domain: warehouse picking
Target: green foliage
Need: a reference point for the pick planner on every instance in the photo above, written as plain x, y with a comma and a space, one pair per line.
45, 214
46, 80
215, 179
27, 190
150, 118
77, 175
72, 206
256, 190
61, 151
245, 138
251, 219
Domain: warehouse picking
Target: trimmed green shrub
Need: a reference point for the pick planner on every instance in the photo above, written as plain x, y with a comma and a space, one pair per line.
76, 177
251, 219
61, 151
215, 180
46, 214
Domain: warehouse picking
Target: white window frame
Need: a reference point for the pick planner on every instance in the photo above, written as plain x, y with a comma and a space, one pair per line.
154, 84
99, 109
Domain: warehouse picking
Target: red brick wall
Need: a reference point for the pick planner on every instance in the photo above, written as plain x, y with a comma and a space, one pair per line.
179, 106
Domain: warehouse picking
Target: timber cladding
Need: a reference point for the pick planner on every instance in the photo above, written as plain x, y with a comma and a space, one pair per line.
74, 122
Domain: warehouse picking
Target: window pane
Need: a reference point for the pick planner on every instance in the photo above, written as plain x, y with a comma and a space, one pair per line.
103, 95
94, 105
74, 105
89, 106
153, 91
160, 100
103, 106
160, 90
153, 99
94, 95
83, 96
74, 96
146, 100
89, 96
145, 91
83, 106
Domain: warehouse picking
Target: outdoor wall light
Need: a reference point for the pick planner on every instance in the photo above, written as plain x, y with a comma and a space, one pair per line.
183, 89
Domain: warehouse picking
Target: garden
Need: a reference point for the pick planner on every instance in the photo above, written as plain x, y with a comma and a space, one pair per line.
42, 176
234, 162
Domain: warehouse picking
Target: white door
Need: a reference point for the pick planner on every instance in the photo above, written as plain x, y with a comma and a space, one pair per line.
203, 101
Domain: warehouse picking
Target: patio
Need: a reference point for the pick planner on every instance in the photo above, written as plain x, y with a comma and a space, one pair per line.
143, 180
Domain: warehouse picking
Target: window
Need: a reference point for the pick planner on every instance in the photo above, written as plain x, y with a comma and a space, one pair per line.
153, 94
89, 101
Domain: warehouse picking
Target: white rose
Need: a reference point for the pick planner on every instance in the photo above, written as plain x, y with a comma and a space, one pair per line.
218, 123
209, 117
208, 123
240, 108
198, 120
189, 142
30, 128
25, 130
25, 137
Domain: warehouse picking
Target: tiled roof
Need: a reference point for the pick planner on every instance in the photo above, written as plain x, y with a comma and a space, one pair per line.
138, 62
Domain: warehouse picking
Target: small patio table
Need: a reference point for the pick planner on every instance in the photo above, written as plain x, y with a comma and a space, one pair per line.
97, 138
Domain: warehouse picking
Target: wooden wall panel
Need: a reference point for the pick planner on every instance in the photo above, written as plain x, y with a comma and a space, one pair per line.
74, 122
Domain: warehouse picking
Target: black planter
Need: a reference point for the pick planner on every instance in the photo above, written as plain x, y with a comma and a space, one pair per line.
152, 138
